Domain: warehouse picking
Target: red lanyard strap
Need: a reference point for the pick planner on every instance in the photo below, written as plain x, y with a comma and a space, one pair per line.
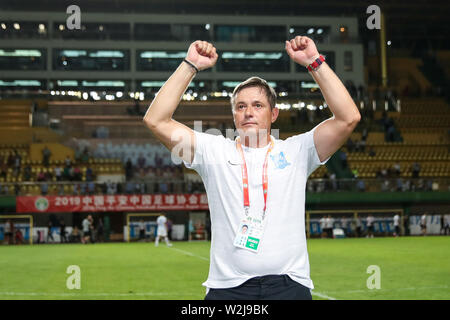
265, 179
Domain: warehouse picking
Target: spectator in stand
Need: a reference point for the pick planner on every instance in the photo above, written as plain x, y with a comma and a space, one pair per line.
399, 183
60, 189
361, 186
364, 134
78, 154
129, 187
83, 189
44, 188
141, 161
71, 173
350, 145
10, 161
68, 161
163, 187
111, 187
390, 133
343, 157
17, 163
46, 154
334, 185
360, 146
385, 186
372, 152
27, 173
415, 170
129, 169
85, 155
4, 170
41, 176
137, 188
77, 176
91, 188
397, 169
89, 174
66, 173
151, 173
76, 189
58, 173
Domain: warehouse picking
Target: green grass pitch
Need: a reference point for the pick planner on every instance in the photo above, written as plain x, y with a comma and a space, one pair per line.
410, 267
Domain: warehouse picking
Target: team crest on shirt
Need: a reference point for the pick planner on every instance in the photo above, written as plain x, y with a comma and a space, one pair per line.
279, 160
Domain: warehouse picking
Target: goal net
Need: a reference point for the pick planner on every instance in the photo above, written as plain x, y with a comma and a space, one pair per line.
140, 226
352, 223
16, 229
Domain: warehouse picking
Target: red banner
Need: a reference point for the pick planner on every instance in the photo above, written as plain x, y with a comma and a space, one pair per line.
99, 203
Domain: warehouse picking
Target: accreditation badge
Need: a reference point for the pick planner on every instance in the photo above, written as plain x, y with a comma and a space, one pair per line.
249, 233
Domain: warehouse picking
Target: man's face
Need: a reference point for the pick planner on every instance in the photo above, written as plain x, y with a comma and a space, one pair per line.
252, 113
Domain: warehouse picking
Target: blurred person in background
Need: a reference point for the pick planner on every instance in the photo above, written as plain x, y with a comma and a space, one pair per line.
100, 230
370, 227
86, 227
50, 232
161, 231
141, 226
62, 231
9, 231
397, 225
46, 154
423, 224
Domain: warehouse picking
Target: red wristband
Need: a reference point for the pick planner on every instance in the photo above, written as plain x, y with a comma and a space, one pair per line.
316, 64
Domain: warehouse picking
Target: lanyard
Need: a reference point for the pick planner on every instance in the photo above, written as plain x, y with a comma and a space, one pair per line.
265, 180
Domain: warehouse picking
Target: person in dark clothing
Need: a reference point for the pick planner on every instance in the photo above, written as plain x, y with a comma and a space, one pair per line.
49, 232
62, 231
100, 230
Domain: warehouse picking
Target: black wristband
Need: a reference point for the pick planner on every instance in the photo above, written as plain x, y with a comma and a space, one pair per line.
192, 65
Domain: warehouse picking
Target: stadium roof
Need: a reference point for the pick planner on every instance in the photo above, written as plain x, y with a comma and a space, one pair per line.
410, 21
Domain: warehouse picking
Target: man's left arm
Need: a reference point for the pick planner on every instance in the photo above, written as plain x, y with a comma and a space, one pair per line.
332, 133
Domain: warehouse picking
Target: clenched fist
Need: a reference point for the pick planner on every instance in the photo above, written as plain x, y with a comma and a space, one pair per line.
302, 50
202, 54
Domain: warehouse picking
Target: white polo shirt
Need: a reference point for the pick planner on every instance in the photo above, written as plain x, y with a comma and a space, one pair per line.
161, 222
283, 247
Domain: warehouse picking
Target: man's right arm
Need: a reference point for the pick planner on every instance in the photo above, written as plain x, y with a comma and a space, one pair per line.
159, 115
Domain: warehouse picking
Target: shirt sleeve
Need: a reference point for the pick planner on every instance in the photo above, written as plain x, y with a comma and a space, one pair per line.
313, 161
203, 143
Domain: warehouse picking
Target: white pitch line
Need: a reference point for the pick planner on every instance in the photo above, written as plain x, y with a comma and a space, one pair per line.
321, 295
189, 253
318, 294
390, 289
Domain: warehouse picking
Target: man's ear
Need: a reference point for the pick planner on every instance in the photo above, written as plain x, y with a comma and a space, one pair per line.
275, 113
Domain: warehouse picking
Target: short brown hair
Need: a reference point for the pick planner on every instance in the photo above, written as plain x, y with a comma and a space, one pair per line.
255, 82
